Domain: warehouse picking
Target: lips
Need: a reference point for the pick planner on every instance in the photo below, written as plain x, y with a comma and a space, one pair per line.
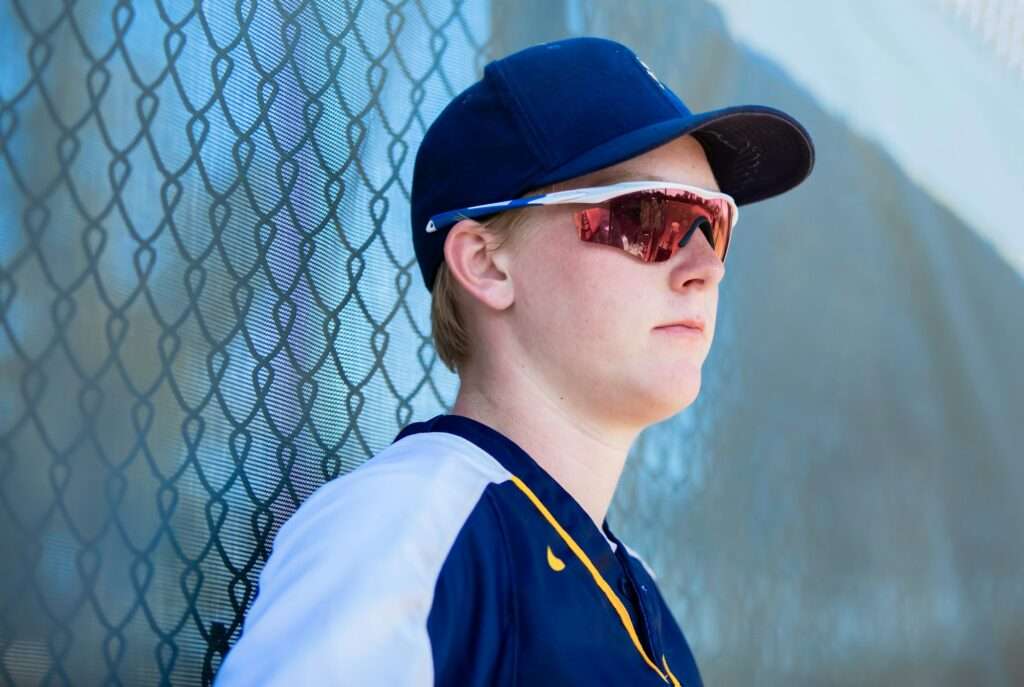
689, 324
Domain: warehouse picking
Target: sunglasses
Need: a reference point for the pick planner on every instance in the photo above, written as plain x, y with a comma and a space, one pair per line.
650, 220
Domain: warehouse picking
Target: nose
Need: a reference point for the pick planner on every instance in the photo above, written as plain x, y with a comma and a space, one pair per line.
696, 264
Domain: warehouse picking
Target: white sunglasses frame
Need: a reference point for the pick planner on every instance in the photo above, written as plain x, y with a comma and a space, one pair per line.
590, 194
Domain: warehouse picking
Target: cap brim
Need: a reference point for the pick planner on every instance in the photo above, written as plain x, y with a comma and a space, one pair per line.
755, 152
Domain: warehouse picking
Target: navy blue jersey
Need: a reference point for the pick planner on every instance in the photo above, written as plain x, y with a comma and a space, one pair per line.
452, 558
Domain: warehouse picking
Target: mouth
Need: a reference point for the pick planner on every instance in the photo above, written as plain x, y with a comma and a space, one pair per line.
692, 326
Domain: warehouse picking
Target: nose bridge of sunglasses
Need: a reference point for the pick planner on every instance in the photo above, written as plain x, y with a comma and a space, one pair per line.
701, 223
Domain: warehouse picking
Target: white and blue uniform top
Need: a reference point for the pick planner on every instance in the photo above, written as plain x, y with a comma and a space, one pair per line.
453, 558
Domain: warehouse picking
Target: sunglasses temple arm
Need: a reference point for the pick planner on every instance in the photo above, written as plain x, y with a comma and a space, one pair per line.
441, 221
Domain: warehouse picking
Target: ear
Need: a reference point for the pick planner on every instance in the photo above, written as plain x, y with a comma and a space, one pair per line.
482, 272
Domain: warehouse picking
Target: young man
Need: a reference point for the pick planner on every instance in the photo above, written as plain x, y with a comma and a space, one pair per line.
475, 550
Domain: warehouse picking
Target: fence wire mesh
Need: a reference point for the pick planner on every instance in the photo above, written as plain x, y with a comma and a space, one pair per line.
207, 303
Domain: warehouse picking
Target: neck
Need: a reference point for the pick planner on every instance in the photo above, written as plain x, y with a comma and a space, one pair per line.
583, 452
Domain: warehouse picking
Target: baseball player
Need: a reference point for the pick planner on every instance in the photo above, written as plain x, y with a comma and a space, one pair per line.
475, 549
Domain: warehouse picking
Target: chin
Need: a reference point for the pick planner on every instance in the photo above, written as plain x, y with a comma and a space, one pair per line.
672, 395
680, 402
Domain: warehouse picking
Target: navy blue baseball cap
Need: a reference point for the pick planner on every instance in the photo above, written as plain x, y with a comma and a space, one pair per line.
558, 110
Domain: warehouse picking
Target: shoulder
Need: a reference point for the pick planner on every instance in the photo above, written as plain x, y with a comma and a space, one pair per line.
432, 475
363, 557
401, 510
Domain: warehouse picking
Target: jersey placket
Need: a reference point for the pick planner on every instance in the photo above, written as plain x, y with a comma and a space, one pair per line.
637, 596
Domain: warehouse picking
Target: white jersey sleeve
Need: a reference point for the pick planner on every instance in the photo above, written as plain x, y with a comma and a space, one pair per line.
382, 577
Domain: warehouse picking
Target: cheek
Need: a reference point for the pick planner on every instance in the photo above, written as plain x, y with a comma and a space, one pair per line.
583, 306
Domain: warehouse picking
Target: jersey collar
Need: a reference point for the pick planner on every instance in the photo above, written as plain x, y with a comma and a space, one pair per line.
566, 509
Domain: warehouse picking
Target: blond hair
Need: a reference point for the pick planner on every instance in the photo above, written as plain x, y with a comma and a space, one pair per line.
447, 323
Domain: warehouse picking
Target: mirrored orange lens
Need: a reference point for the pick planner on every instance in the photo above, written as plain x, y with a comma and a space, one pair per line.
651, 225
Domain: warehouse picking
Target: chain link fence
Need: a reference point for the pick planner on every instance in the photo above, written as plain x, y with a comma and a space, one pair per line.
209, 301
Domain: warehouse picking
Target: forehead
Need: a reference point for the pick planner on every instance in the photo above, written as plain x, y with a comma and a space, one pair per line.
612, 176
681, 160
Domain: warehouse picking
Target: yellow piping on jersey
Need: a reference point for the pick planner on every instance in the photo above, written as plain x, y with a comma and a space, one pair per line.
601, 583
675, 682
